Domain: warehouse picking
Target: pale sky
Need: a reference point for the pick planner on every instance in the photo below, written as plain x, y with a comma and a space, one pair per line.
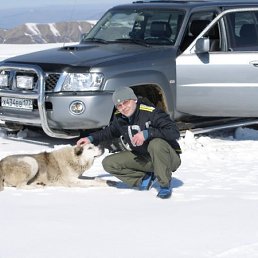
14, 12
32, 3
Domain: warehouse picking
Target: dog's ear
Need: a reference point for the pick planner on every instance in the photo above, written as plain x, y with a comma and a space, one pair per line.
78, 150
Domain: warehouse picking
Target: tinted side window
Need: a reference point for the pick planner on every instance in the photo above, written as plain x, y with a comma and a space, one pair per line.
172, 19
243, 31
197, 22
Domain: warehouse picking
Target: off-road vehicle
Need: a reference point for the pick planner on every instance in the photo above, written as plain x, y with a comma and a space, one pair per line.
197, 60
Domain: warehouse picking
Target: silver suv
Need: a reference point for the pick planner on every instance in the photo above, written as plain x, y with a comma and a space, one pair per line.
197, 60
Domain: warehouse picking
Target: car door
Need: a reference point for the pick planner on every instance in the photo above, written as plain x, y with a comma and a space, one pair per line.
222, 80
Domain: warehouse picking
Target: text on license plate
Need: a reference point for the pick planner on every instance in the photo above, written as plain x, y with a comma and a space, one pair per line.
17, 103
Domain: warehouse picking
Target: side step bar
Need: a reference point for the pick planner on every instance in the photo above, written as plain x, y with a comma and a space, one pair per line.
227, 125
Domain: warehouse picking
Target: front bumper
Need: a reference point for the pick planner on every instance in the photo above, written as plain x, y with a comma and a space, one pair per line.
51, 110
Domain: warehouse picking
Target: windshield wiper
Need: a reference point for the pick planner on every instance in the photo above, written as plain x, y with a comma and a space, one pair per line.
134, 41
96, 40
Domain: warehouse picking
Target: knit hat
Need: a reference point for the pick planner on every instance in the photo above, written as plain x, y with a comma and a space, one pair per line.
123, 94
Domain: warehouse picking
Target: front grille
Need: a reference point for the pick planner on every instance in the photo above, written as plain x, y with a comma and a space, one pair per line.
51, 81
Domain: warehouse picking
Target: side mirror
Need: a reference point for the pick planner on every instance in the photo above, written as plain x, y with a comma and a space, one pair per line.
202, 45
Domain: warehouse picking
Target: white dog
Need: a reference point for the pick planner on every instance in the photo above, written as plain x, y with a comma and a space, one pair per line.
61, 167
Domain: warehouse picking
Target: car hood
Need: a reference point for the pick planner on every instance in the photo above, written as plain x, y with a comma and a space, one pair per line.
85, 56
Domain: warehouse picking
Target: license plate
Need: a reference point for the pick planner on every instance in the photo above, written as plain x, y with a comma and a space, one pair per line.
17, 103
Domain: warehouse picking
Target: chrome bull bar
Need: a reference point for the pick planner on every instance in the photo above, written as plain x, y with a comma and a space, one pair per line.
39, 96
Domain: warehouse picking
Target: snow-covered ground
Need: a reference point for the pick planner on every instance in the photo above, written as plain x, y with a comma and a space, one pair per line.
212, 212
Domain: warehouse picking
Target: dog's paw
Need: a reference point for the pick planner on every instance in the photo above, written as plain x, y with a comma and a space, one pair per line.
40, 184
106, 182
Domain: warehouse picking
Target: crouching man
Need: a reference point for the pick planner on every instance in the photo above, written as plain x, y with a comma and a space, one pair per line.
152, 136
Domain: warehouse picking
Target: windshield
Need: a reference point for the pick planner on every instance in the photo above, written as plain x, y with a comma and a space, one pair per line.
137, 26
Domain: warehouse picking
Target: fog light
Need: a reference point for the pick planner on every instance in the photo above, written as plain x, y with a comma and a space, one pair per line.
3, 80
24, 82
77, 107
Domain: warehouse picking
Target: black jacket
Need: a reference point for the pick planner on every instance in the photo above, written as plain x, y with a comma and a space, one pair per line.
146, 117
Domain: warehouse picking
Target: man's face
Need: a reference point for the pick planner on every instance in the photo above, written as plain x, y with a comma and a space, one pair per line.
127, 107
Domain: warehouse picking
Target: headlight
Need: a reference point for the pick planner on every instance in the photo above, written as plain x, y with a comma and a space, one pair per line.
82, 82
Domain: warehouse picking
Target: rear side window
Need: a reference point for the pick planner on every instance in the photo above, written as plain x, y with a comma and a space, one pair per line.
243, 31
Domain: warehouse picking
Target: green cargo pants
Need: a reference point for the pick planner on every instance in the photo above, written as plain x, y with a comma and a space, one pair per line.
129, 168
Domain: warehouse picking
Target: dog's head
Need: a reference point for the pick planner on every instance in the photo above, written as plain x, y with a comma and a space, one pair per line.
86, 153
89, 149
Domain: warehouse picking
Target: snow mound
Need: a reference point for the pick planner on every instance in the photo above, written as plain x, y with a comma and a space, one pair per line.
246, 134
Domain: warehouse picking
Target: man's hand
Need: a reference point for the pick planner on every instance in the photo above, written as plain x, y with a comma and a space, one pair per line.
83, 141
138, 139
